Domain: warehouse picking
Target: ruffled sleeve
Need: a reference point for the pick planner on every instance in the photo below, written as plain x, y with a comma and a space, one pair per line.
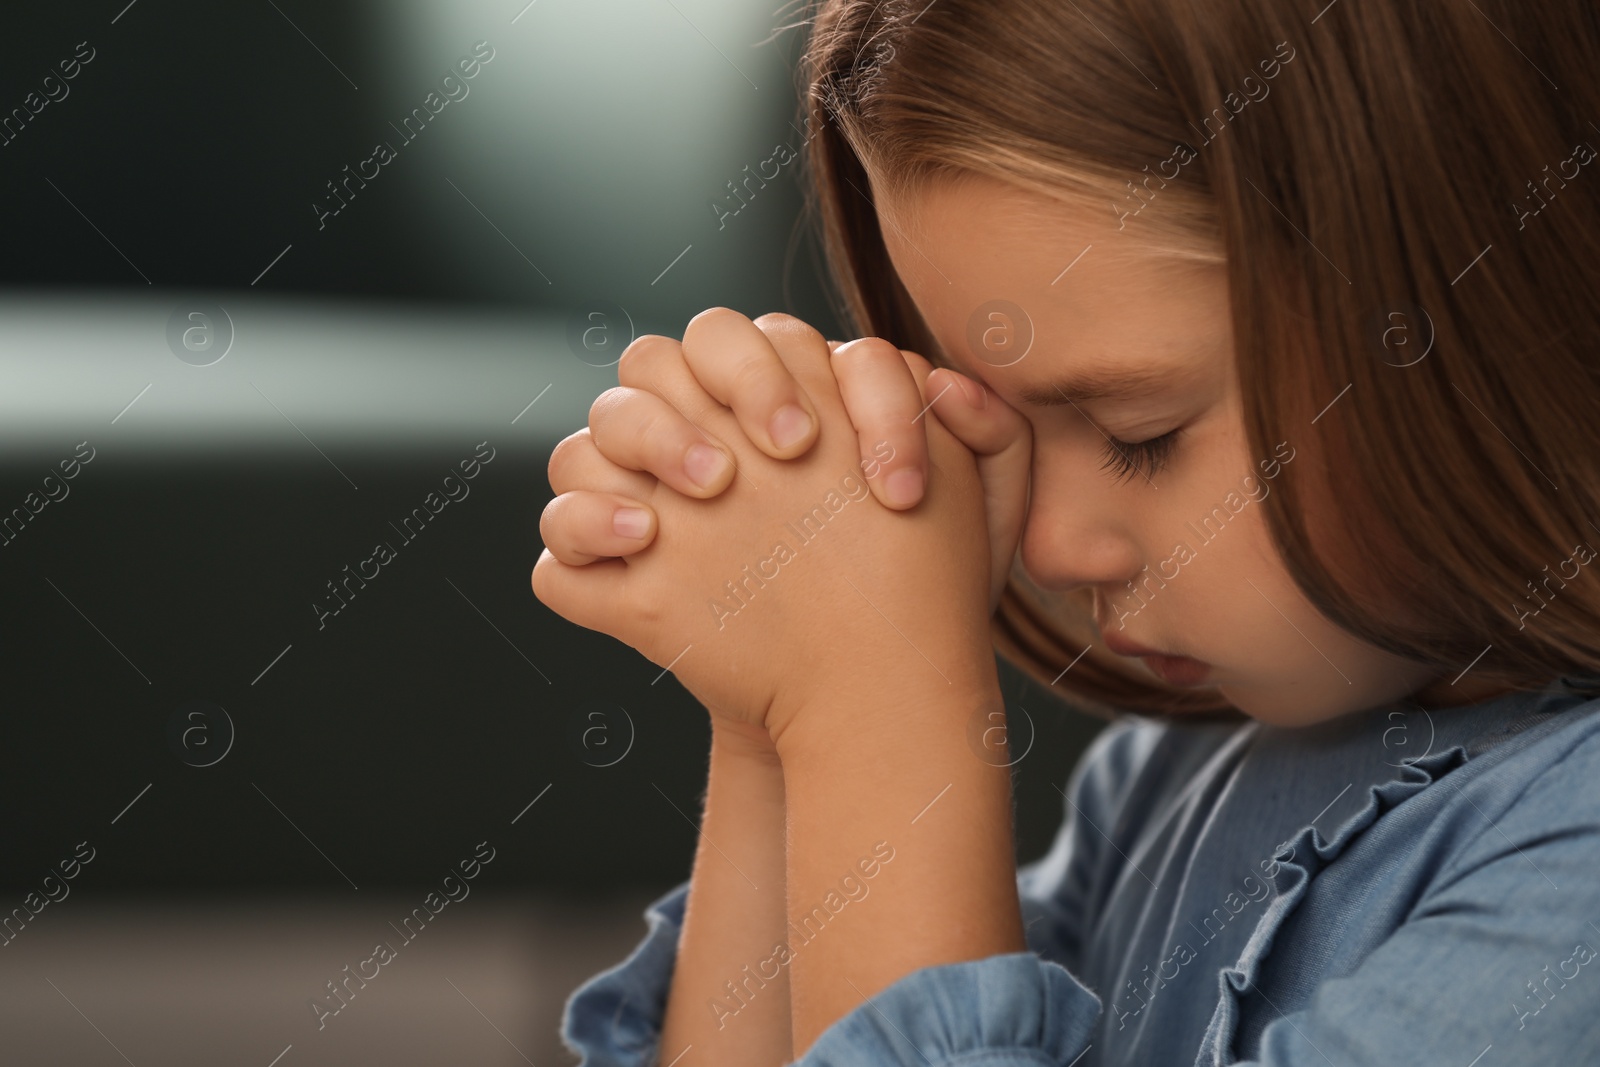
614, 1019
1021, 1009
1014, 1010
1454, 918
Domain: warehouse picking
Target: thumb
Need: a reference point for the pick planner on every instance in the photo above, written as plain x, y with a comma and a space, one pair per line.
1002, 442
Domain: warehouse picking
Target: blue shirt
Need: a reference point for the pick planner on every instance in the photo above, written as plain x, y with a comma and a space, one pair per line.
1392, 887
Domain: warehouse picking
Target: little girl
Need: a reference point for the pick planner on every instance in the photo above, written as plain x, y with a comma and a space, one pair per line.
1261, 415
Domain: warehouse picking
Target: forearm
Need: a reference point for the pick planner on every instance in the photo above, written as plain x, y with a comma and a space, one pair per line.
897, 774
722, 1003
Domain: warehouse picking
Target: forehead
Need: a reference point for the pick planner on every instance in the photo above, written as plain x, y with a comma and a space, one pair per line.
978, 254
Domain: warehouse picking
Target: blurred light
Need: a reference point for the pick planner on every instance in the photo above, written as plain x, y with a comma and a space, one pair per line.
299, 372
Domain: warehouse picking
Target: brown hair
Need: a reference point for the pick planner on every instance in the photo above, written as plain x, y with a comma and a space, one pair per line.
1407, 176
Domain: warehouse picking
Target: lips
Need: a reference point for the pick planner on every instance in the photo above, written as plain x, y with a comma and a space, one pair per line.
1177, 670
1122, 646
1174, 670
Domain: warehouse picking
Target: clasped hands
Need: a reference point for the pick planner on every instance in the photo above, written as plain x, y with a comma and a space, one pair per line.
731, 468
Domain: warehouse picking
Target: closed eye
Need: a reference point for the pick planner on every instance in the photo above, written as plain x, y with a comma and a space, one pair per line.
1142, 457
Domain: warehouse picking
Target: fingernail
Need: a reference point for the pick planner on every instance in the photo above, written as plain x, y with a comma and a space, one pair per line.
704, 465
630, 522
789, 426
903, 486
976, 397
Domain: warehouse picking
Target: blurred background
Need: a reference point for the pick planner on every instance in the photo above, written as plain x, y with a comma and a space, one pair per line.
272, 273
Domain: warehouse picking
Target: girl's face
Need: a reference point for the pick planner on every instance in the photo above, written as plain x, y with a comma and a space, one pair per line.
1129, 346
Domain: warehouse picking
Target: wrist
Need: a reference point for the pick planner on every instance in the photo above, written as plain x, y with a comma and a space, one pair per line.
743, 743
844, 722
900, 780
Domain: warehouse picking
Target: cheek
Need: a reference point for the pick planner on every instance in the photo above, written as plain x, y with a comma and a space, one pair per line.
1205, 526
1224, 595
1213, 552
1269, 605
1284, 662
1231, 602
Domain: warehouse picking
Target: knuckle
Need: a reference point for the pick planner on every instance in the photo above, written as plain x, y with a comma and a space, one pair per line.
644, 352
541, 578
716, 316
869, 349
605, 403
549, 521
779, 320
663, 436
782, 324
782, 320
753, 377
565, 453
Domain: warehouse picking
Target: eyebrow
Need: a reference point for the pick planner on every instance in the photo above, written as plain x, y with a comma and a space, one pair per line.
1113, 383
1095, 383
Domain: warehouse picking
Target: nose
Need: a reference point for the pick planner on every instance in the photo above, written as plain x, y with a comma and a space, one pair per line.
1076, 532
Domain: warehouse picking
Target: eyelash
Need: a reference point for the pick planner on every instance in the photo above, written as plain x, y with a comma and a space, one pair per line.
1141, 457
